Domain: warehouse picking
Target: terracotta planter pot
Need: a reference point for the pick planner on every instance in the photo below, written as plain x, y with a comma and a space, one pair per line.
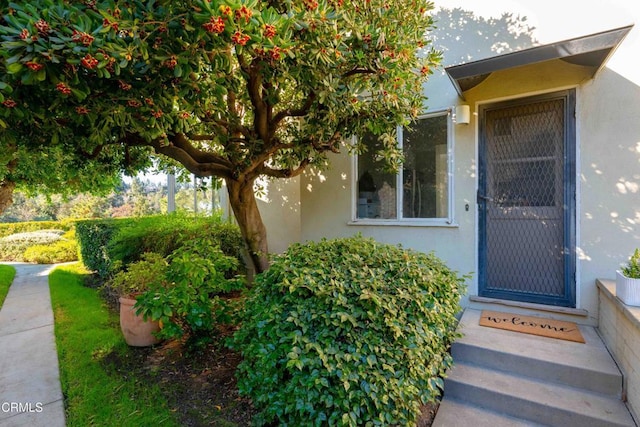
137, 332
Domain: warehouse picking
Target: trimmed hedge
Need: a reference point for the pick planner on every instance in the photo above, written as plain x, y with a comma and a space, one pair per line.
347, 332
7, 229
42, 247
64, 250
93, 237
13, 247
108, 246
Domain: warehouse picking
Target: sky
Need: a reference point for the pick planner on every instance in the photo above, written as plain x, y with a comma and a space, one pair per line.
557, 20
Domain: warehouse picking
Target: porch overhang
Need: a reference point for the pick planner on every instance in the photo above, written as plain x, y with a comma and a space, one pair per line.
590, 51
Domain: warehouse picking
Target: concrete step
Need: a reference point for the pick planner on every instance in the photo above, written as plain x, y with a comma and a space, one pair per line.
586, 366
533, 400
504, 378
453, 413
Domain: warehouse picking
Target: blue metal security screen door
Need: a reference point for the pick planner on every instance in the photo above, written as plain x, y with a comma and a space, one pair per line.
526, 200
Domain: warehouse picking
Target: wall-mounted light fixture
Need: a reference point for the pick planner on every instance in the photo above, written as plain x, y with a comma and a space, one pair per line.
462, 114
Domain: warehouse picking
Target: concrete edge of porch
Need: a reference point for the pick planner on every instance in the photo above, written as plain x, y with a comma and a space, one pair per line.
577, 315
619, 327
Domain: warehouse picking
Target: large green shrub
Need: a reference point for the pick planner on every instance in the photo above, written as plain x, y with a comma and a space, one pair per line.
163, 234
93, 237
347, 332
188, 298
108, 246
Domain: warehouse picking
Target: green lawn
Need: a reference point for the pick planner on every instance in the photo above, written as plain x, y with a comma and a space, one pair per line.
7, 273
97, 388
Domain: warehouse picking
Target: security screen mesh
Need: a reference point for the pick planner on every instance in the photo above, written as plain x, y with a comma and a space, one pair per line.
524, 205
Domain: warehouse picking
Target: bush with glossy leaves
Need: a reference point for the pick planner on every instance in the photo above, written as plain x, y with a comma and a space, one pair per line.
348, 332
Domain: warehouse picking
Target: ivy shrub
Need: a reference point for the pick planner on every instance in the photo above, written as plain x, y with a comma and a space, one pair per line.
347, 332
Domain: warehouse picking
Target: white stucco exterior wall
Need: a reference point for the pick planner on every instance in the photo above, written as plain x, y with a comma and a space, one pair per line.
319, 204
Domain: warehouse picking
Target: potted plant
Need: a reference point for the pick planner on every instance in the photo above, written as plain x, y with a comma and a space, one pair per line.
628, 281
129, 284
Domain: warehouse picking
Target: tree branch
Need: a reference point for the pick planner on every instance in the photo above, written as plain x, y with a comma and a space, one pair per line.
300, 112
284, 173
196, 161
356, 71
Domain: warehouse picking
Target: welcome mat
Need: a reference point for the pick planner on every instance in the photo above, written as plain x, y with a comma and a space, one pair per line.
559, 329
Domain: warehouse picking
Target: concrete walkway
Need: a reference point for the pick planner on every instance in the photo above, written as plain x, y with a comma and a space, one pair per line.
30, 393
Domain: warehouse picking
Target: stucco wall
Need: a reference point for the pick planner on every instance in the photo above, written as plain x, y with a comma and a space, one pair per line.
608, 163
279, 204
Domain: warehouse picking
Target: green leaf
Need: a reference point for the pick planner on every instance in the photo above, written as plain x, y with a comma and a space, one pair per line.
14, 68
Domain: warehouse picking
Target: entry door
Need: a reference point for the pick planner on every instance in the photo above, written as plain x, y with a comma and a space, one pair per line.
526, 200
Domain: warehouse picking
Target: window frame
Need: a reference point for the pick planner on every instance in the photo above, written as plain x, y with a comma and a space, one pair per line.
447, 221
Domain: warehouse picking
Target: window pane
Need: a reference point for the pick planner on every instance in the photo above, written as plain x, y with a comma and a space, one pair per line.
425, 175
376, 188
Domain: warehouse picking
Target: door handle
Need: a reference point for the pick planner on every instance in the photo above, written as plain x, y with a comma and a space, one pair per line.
482, 197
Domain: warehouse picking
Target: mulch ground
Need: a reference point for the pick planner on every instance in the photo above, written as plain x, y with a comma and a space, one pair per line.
200, 386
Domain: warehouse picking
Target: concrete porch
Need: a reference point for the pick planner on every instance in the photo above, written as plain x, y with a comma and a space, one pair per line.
504, 378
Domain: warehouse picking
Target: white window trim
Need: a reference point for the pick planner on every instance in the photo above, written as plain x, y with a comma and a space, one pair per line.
410, 222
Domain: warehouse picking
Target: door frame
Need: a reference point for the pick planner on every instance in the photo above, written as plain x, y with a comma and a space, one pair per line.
569, 201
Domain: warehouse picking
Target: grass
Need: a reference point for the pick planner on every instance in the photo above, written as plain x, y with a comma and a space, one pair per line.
97, 390
7, 273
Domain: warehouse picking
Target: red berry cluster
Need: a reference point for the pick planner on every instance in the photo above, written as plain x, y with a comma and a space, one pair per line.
311, 4
82, 110
84, 38
171, 63
124, 85
276, 53
157, 114
239, 38
134, 103
89, 62
112, 24
9, 103
42, 26
63, 88
269, 31
214, 26
34, 66
244, 13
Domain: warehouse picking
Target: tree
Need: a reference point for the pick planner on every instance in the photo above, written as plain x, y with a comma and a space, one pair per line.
236, 89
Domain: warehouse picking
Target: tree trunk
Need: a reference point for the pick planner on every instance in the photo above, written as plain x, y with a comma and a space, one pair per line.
245, 207
6, 194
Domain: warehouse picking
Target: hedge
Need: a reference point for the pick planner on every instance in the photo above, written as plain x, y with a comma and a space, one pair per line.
13, 247
108, 246
347, 332
93, 237
9, 228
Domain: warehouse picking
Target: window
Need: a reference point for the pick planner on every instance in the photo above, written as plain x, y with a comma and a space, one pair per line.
424, 181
